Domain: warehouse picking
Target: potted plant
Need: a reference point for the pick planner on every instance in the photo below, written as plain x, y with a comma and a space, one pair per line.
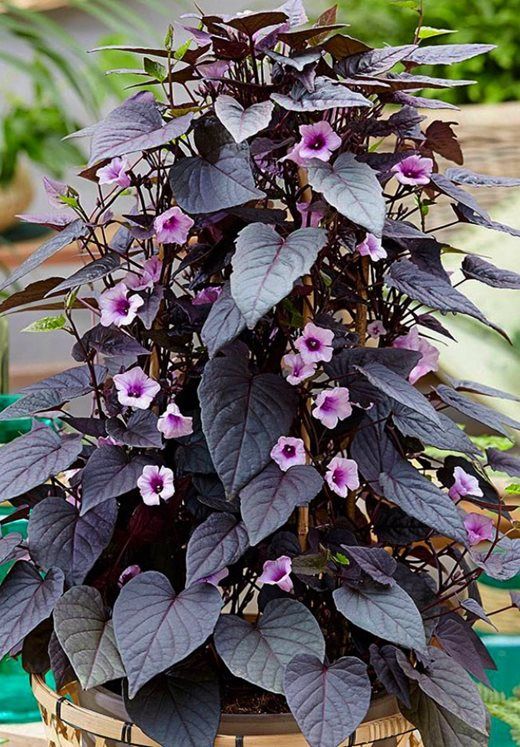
267, 514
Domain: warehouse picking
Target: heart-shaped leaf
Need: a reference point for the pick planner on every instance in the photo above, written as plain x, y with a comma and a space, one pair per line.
266, 266
260, 654
352, 188
109, 474
156, 628
243, 123
242, 417
59, 537
224, 323
328, 701
178, 709
389, 613
216, 543
269, 499
201, 185
31, 459
10, 548
140, 430
25, 600
87, 636
327, 94
389, 673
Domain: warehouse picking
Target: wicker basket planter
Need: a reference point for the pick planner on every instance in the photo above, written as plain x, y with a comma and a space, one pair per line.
70, 725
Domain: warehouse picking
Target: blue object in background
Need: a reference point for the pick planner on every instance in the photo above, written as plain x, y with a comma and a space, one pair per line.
505, 650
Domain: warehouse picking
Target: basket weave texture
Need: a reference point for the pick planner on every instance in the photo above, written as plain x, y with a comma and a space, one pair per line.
69, 725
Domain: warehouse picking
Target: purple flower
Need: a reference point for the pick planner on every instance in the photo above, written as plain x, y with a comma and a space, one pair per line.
115, 173
155, 483
278, 573
464, 484
173, 226
117, 307
135, 388
429, 360
295, 369
317, 141
55, 191
371, 247
108, 441
413, 170
312, 213
173, 424
315, 343
288, 451
376, 329
128, 574
214, 578
332, 405
479, 528
207, 295
148, 277
342, 475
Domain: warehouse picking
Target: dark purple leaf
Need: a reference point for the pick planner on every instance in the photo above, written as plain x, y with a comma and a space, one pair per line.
376, 61
456, 193
91, 272
328, 701
447, 436
426, 254
109, 341
431, 322
466, 215
449, 686
374, 561
35, 654
178, 709
388, 613
33, 292
30, 460
430, 290
152, 303
398, 229
216, 543
261, 654
352, 188
89, 426
392, 526
224, 323
342, 45
206, 186
60, 538
87, 636
476, 268
250, 23
140, 430
298, 61
326, 94
476, 610
422, 499
399, 361
503, 461
371, 448
389, 673
266, 266
418, 82
420, 102
242, 417
439, 726
447, 54
243, 123
10, 547
75, 230
459, 640
155, 628
472, 179
475, 388
442, 140
108, 474
504, 561
60, 665
269, 499
25, 600
54, 391
475, 410
56, 220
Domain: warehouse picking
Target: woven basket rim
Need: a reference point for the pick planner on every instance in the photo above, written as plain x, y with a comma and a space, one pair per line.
84, 720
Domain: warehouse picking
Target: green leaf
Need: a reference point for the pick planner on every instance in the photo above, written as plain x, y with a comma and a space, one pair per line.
179, 53
513, 489
155, 69
47, 324
410, 4
495, 442
426, 32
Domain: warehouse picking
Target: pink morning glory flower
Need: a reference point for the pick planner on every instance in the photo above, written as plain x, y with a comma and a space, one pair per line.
371, 247
214, 578
332, 405
148, 277
128, 574
479, 528
278, 573
376, 329
413, 170
207, 295
117, 307
173, 226
288, 451
315, 343
108, 441
295, 369
317, 141
115, 173
342, 476
173, 424
429, 360
135, 388
463, 485
55, 190
312, 213
155, 483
